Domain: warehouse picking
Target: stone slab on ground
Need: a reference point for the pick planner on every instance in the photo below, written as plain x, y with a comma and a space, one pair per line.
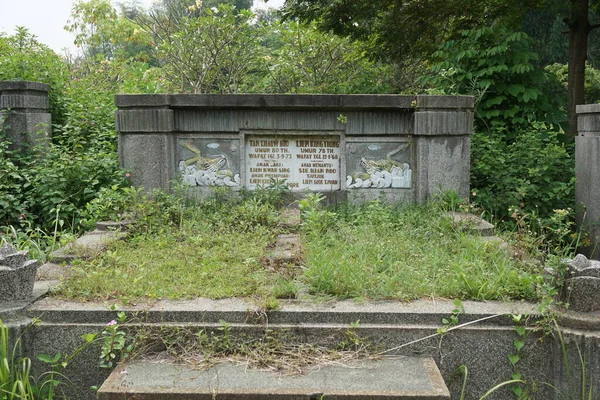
52, 272
88, 245
287, 249
390, 378
290, 216
472, 223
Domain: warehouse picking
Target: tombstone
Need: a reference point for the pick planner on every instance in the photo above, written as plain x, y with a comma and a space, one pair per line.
24, 113
17, 274
402, 148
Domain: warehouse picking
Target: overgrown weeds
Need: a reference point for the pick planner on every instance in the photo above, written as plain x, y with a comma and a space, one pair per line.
182, 248
274, 350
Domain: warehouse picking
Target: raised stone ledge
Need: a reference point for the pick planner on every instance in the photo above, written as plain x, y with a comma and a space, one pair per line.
443, 123
588, 108
23, 86
17, 101
421, 312
152, 120
295, 102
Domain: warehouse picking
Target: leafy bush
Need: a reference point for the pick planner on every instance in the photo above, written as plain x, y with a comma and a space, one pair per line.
495, 65
535, 173
53, 188
311, 61
592, 80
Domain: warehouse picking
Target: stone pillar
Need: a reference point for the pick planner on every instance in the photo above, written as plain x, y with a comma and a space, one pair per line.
587, 172
442, 130
145, 140
25, 113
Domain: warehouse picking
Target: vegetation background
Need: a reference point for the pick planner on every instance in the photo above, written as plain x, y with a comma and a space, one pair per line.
515, 59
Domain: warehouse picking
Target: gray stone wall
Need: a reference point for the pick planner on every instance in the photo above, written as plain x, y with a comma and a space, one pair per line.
587, 172
24, 113
406, 148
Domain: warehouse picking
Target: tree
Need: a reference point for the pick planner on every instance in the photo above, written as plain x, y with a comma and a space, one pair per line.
100, 31
496, 66
310, 61
399, 28
205, 50
580, 27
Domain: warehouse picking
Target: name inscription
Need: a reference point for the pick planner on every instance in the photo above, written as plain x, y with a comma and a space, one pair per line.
303, 162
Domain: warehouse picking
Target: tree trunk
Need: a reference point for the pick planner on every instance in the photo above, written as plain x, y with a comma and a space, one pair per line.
579, 28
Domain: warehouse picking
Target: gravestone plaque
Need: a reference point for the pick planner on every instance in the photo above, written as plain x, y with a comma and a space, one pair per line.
311, 162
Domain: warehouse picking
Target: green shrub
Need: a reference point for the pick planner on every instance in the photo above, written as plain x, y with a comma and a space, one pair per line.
50, 190
495, 65
592, 80
535, 173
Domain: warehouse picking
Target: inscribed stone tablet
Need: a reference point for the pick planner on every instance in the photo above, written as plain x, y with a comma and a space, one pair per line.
304, 162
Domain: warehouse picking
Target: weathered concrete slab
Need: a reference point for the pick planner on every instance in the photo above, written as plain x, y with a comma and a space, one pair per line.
472, 223
86, 246
287, 249
394, 378
52, 272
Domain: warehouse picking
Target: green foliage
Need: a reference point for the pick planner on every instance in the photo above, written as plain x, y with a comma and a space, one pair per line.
370, 244
45, 191
15, 378
534, 173
315, 219
103, 33
182, 248
496, 66
452, 321
88, 120
54, 187
310, 61
399, 30
16, 381
23, 57
205, 50
592, 80
116, 346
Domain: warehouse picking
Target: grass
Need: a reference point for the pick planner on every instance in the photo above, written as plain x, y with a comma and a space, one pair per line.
220, 248
15, 378
382, 252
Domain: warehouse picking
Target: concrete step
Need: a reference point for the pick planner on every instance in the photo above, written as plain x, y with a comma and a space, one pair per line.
397, 378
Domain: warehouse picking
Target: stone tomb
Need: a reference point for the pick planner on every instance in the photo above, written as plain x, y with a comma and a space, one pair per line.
405, 148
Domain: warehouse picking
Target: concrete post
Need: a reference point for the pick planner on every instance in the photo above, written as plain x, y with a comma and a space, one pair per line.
25, 113
587, 172
442, 131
